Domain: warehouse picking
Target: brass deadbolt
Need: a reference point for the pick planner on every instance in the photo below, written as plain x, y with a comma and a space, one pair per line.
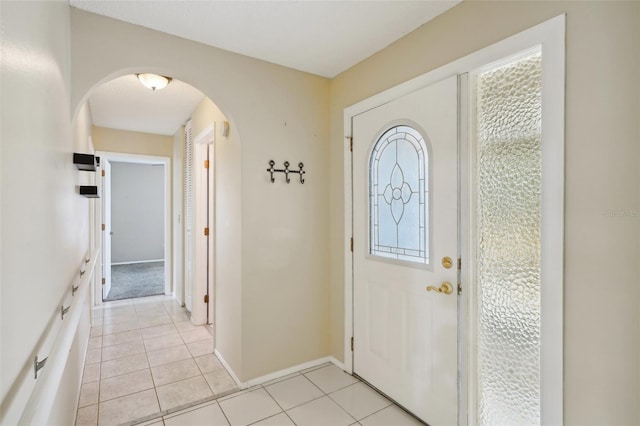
447, 262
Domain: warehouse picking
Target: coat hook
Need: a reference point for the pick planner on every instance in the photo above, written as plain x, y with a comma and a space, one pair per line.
286, 171
272, 170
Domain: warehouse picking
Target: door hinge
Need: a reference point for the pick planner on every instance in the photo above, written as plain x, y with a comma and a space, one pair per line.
351, 144
459, 264
352, 344
102, 173
459, 289
104, 281
103, 227
351, 244
206, 298
206, 164
206, 232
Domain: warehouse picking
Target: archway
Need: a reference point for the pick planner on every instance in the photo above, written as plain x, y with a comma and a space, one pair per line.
209, 124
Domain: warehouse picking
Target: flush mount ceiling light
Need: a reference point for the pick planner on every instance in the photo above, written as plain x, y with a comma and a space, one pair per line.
154, 81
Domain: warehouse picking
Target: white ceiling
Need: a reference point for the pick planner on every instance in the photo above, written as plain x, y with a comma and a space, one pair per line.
322, 37
124, 103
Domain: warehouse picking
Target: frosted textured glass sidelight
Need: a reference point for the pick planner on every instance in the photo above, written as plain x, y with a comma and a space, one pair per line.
508, 123
398, 196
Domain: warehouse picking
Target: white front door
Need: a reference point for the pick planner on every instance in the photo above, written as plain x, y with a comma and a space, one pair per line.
405, 215
106, 222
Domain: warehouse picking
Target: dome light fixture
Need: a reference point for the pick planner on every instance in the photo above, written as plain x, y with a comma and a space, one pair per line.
154, 81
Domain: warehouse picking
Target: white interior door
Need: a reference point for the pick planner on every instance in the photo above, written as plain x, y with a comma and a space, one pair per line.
188, 218
106, 221
405, 214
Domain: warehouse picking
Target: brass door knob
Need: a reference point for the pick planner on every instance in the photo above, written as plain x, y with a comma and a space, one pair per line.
445, 288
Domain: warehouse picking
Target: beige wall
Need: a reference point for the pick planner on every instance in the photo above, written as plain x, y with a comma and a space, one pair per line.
44, 220
124, 141
602, 295
275, 113
137, 212
284, 229
227, 167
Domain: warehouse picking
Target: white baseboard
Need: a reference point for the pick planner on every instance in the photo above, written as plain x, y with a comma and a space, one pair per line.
338, 364
228, 368
277, 374
136, 261
291, 370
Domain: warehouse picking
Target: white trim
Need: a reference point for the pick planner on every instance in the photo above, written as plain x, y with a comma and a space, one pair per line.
552, 248
550, 34
228, 368
148, 159
55, 345
348, 254
464, 246
291, 370
213, 235
137, 261
469, 270
206, 135
337, 363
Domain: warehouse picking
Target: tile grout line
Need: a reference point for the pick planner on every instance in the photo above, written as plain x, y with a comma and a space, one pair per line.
155, 388
139, 329
223, 413
278, 404
302, 403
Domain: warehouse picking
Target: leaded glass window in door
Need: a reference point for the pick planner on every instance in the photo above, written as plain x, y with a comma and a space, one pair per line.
399, 196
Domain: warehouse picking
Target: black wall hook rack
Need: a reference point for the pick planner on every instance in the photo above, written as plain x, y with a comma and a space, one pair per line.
286, 171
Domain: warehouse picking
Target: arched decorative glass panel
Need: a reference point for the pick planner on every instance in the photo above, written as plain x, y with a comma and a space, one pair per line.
399, 196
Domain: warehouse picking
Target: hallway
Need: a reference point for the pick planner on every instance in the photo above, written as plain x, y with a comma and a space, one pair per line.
144, 359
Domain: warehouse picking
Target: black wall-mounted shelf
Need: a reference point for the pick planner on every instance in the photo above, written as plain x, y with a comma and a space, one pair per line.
89, 191
86, 162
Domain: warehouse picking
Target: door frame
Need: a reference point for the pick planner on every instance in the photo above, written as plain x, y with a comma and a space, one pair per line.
168, 258
551, 36
204, 196
105, 219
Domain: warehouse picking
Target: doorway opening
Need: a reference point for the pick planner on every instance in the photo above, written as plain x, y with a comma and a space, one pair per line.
137, 230
135, 225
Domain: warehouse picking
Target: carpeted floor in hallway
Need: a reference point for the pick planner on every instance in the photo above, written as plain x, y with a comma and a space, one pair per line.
136, 280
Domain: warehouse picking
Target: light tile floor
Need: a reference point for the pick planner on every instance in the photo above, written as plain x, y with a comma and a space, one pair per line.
148, 365
321, 396
145, 359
